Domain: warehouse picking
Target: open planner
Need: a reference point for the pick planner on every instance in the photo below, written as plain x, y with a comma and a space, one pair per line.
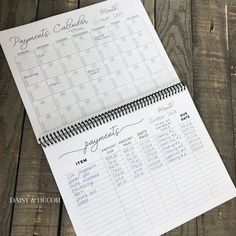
126, 145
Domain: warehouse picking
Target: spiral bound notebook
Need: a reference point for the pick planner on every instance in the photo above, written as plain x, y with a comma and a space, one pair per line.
125, 143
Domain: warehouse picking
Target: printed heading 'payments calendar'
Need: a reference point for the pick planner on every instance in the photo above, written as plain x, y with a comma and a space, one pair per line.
125, 143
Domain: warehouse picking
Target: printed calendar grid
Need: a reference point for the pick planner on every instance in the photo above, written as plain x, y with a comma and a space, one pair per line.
101, 100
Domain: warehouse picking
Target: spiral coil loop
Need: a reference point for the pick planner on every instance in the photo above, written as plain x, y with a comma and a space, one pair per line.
77, 128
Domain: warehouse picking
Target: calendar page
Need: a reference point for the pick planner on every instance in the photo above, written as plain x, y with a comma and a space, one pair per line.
142, 174
74, 65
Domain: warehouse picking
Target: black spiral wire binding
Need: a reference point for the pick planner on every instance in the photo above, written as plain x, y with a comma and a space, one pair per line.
80, 127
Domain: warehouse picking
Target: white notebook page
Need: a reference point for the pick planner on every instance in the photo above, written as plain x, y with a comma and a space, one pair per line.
142, 174
73, 65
